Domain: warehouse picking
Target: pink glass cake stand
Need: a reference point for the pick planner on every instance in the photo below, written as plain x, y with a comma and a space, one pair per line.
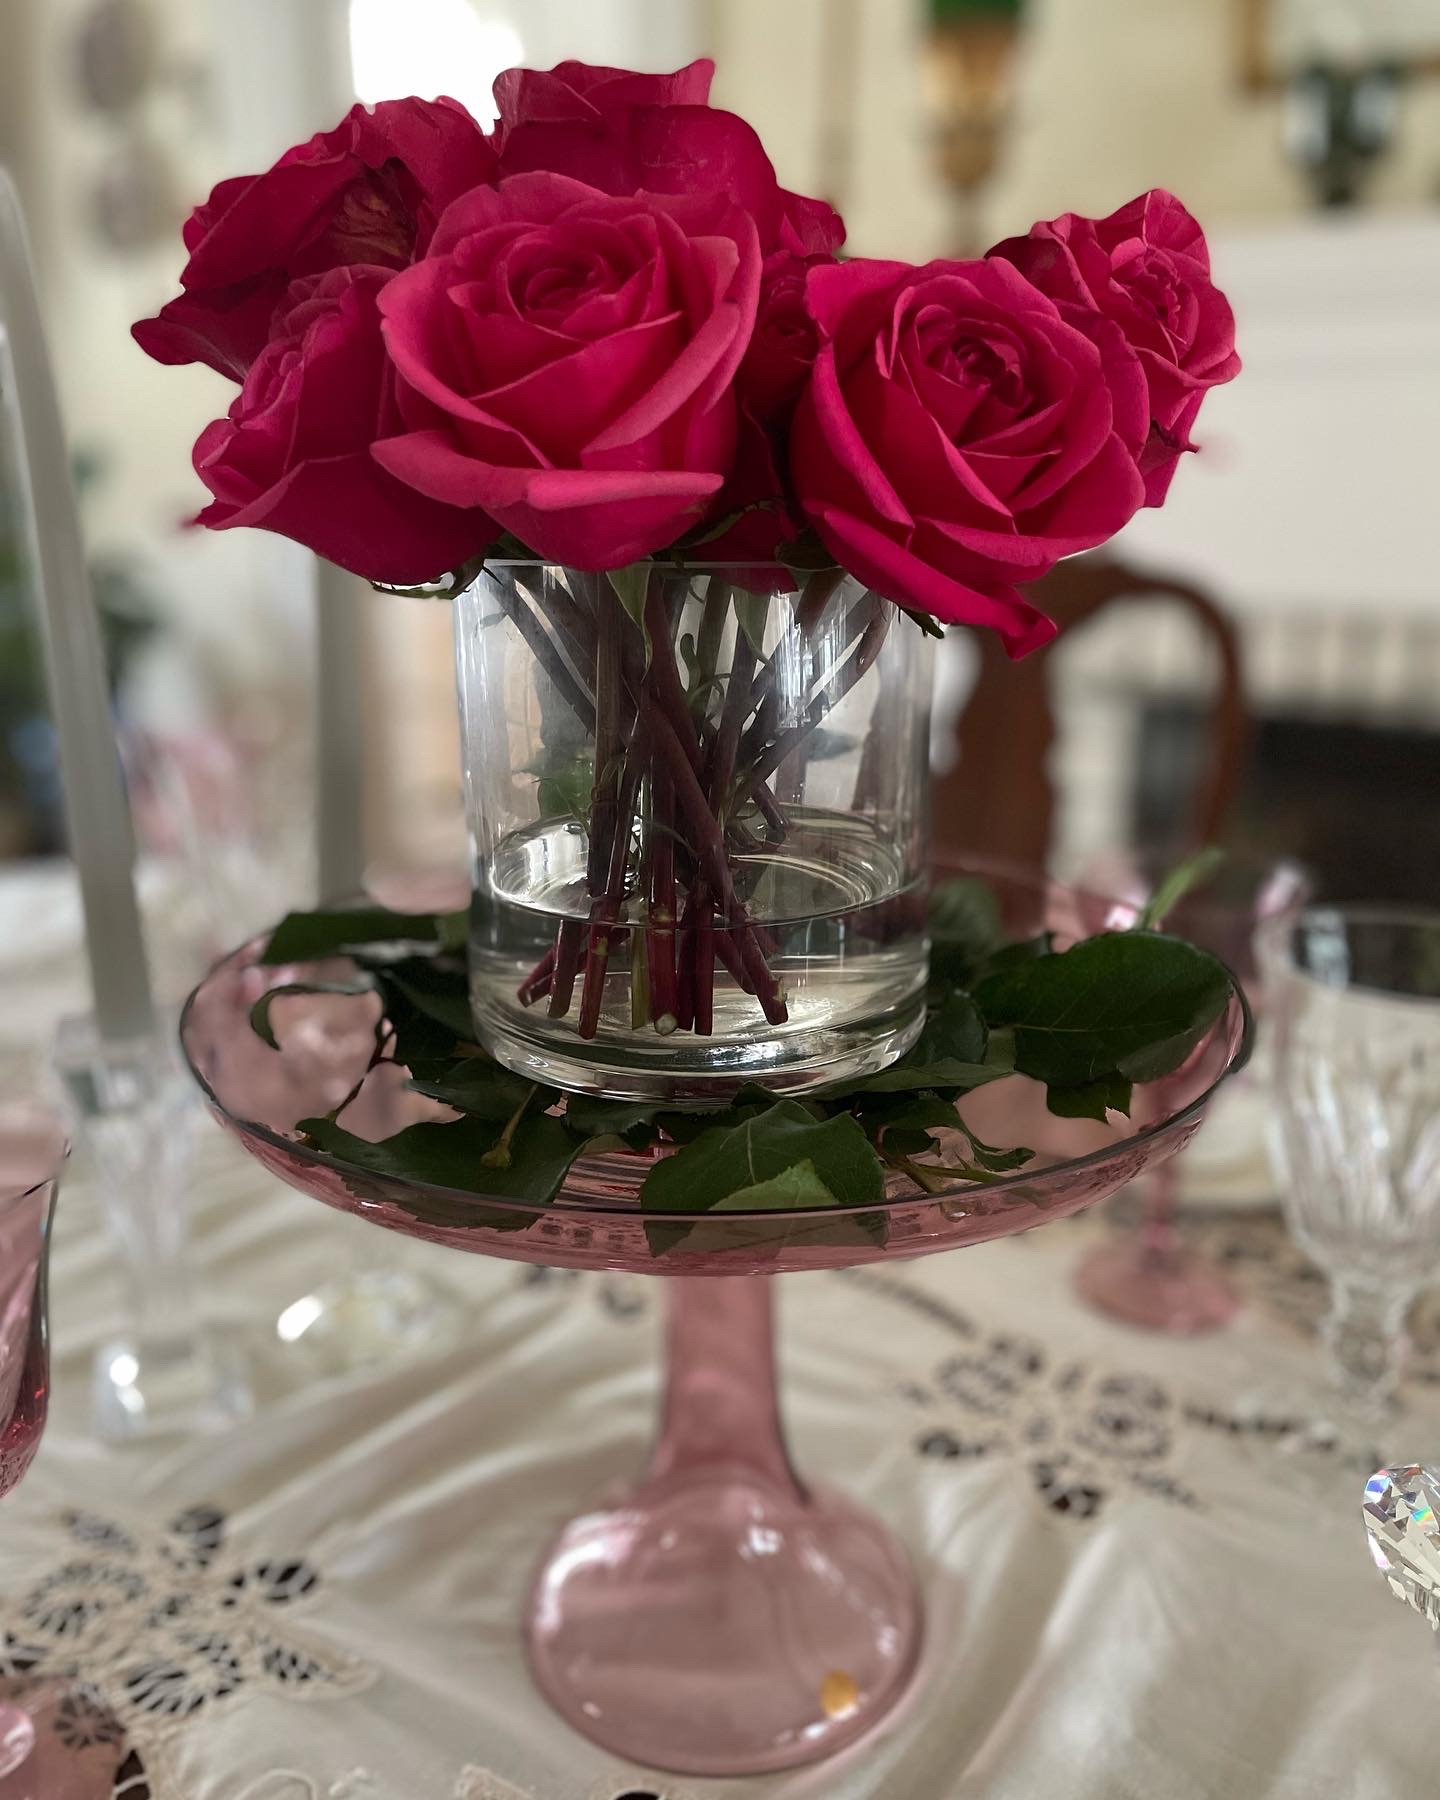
721, 1616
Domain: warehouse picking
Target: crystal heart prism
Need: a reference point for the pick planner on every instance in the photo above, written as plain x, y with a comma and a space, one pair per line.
1402, 1516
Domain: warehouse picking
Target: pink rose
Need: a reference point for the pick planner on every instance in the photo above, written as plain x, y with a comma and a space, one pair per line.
1147, 268
959, 436
293, 454
577, 90
625, 133
368, 192
581, 350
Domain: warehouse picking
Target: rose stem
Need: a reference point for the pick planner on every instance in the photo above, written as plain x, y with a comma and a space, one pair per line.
704, 962
569, 941
826, 698
685, 967
809, 608
660, 938
712, 626
607, 744
605, 911
537, 983
663, 678
732, 716
679, 737
709, 848
546, 655
767, 714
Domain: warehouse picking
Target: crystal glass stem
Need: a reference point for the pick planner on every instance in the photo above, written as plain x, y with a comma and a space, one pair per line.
163, 1371
1365, 1337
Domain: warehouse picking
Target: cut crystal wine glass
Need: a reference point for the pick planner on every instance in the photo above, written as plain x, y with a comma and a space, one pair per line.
1353, 1002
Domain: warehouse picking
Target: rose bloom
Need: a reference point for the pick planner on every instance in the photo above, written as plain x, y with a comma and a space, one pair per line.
581, 350
293, 454
626, 133
1147, 268
586, 91
782, 352
958, 436
368, 192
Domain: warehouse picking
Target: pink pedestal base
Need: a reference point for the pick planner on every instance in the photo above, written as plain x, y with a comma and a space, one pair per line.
721, 1618
1159, 1289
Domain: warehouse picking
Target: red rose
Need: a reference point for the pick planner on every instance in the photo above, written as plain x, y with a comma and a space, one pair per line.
293, 454
582, 352
959, 436
1147, 268
777, 365
368, 192
625, 133
577, 90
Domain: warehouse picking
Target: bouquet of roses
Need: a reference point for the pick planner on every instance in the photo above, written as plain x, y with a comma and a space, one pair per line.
603, 336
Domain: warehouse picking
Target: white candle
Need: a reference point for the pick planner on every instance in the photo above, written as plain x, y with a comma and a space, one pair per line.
97, 811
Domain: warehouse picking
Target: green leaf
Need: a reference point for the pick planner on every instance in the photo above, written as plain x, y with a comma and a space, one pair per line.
905, 1127
685, 1127
965, 930
949, 1055
631, 584
309, 936
1129, 1002
260, 1011
425, 1046
1192, 873
1091, 1100
751, 612
564, 785
484, 1088
439, 989
995, 1161
1010, 956
451, 1156
782, 1157
630, 1121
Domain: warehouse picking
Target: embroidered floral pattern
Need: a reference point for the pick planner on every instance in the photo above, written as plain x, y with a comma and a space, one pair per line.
138, 1630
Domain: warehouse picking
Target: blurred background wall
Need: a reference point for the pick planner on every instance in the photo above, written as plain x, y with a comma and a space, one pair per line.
1305, 133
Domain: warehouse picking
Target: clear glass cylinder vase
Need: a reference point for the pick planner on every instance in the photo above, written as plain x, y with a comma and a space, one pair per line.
697, 811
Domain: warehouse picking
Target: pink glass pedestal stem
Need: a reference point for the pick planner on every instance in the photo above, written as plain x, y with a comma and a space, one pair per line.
1150, 1277
721, 1618
721, 1408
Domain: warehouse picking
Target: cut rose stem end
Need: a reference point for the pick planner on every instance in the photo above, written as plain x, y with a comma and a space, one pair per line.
569, 944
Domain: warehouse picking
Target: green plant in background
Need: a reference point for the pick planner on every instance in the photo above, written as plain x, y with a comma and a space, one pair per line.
30, 815
945, 12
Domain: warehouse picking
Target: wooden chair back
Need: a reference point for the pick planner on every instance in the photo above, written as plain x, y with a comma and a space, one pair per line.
999, 798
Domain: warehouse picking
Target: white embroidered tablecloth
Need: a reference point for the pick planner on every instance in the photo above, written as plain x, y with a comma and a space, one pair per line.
1133, 1590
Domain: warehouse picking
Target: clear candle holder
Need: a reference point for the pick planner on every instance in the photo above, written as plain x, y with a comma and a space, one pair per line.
163, 1371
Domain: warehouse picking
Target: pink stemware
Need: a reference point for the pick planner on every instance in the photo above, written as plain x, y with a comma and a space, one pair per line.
1151, 1277
720, 1616
31, 1150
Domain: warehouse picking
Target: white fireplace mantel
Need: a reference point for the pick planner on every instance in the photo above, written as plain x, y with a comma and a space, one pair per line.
1318, 485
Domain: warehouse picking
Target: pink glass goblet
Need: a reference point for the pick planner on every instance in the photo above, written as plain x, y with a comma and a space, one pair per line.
31, 1151
1151, 1277
720, 1616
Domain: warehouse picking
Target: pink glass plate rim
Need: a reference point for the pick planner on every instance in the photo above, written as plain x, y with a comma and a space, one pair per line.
12, 1196
1193, 1110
